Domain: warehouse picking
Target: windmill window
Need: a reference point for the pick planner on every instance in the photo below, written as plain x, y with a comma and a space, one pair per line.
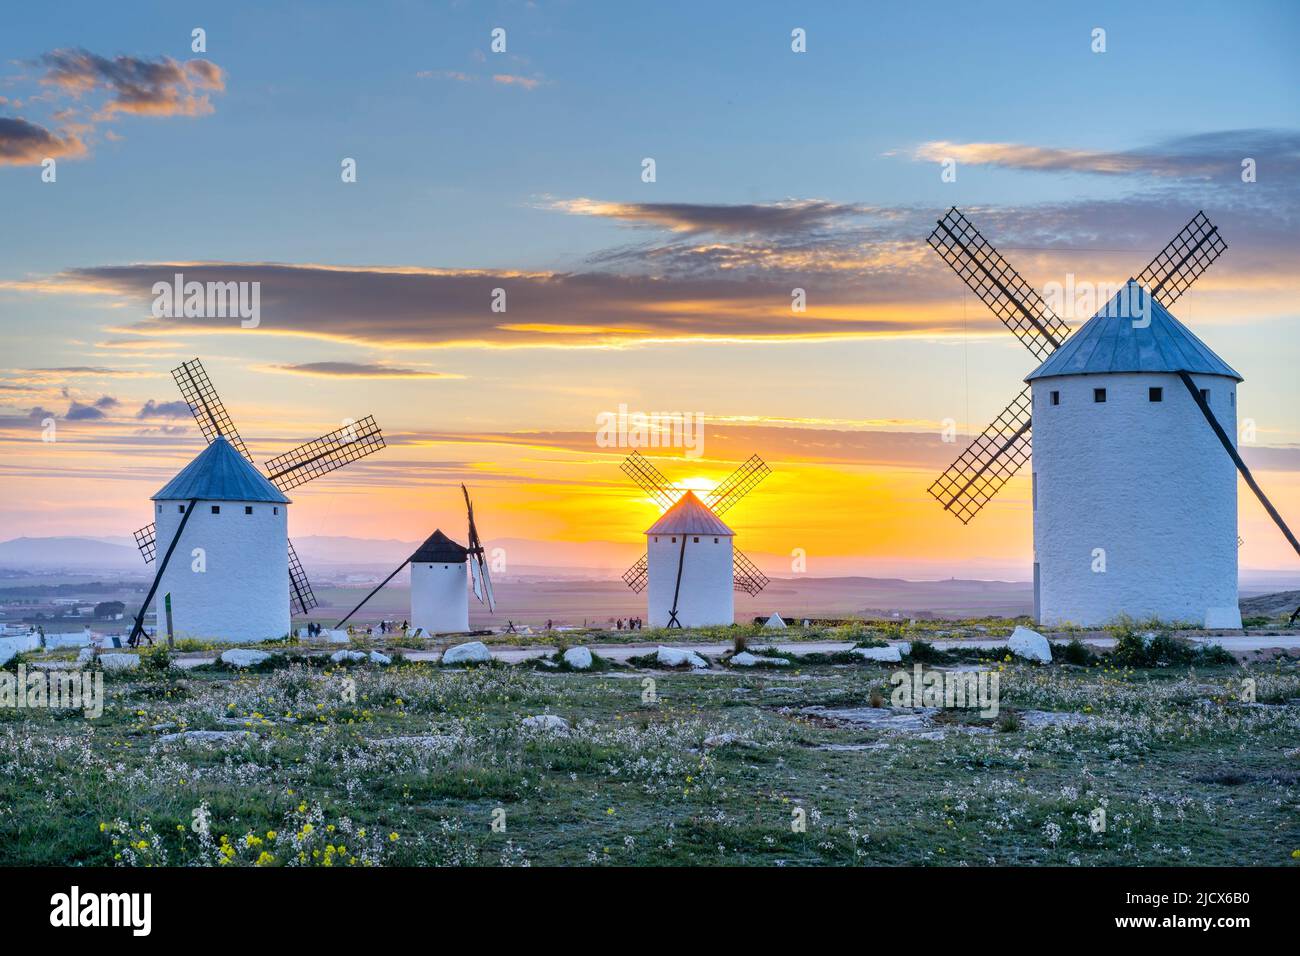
1205, 395
656, 539
1232, 399
248, 509
1099, 395
695, 540
216, 509
180, 508
674, 539
160, 509
1155, 394
276, 510
715, 540
1056, 398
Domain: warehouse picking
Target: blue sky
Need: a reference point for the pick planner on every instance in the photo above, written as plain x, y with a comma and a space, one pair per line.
523, 170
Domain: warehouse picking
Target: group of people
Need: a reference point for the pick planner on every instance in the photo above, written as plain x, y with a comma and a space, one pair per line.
633, 624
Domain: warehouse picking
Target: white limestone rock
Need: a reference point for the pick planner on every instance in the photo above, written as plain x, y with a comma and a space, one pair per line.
678, 657
119, 662
547, 724
746, 659
377, 658
889, 653
776, 622
1030, 645
473, 652
579, 658
239, 658
338, 657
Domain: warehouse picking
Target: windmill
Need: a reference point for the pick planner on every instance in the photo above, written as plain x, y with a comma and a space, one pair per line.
699, 599
439, 599
309, 461
1108, 439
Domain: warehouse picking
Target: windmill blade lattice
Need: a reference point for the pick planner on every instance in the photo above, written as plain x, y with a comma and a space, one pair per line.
325, 454
650, 479
209, 412
145, 540
738, 484
988, 462
637, 577
745, 573
300, 592
1001, 288
1181, 263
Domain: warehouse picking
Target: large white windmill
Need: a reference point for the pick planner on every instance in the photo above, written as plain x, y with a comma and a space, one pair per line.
238, 572
439, 590
1134, 500
692, 567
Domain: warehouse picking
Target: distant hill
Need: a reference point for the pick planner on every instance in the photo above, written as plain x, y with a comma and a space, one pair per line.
28, 553
1283, 603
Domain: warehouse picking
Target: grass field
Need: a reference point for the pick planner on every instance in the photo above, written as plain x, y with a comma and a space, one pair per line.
413, 764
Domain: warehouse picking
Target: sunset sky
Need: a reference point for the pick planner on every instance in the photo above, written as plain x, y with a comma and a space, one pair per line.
522, 170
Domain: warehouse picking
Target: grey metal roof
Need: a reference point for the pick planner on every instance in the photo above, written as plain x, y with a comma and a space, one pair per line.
689, 516
219, 473
1111, 342
439, 549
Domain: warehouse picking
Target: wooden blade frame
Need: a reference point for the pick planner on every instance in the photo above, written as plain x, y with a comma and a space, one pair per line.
209, 412
322, 455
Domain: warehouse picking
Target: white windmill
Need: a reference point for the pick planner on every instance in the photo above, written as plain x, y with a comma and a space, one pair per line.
439, 591
1135, 504
692, 567
239, 572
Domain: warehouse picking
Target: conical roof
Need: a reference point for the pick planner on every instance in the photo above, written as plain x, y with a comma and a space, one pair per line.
439, 549
219, 473
1120, 338
689, 516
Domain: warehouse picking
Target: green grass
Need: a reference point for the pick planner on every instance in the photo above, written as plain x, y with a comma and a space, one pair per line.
1188, 773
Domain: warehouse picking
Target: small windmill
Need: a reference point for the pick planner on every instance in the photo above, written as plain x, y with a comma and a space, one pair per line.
1133, 344
309, 461
439, 599
686, 516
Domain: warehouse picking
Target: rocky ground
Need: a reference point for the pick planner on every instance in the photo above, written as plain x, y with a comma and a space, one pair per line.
1149, 749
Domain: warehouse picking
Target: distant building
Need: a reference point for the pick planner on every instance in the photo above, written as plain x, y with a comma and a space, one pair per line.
109, 611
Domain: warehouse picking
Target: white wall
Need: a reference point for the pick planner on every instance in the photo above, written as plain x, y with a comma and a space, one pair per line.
707, 593
440, 597
1147, 482
243, 595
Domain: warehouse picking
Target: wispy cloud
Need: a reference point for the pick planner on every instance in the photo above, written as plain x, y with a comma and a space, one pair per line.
150, 87
355, 370
1204, 156
23, 143
792, 215
528, 83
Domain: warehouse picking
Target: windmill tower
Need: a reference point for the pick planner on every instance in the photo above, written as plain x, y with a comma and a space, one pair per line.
439, 590
1135, 504
232, 522
692, 567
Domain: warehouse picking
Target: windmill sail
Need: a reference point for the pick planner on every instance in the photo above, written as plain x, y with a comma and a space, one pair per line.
988, 463
745, 573
478, 569
738, 484
1182, 261
209, 412
650, 479
325, 454
145, 540
300, 592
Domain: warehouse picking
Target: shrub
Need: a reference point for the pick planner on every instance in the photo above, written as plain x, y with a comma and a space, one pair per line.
1077, 652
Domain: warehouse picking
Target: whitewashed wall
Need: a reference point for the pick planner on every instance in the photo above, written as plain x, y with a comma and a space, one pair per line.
243, 595
1147, 482
707, 594
440, 597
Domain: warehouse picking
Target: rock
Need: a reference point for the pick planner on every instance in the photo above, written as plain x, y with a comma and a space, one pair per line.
677, 657
119, 662
776, 622
746, 659
473, 652
889, 653
338, 657
85, 654
579, 658
207, 736
377, 658
1030, 645
547, 724
239, 658
335, 637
